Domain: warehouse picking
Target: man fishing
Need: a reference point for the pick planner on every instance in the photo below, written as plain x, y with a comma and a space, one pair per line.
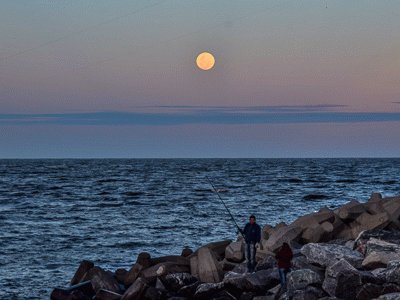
252, 236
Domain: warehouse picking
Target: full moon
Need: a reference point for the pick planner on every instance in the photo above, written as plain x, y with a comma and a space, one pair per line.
205, 61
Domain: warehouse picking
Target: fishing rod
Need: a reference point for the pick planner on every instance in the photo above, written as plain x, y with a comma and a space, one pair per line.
219, 196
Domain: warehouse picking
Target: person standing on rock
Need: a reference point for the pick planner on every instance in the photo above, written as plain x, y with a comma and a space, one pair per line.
284, 257
252, 236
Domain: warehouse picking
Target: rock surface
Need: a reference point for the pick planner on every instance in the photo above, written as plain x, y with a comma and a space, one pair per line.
328, 254
334, 258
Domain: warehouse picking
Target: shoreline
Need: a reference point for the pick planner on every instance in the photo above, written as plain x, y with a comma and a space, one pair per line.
352, 252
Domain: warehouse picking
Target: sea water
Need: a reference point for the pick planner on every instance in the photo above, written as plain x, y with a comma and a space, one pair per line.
55, 213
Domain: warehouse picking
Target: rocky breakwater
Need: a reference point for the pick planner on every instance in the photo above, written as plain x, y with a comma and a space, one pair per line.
352, 252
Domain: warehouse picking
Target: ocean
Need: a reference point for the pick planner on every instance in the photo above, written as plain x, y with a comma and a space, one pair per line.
55, 213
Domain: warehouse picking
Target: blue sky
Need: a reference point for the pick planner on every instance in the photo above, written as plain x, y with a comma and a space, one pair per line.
118, 79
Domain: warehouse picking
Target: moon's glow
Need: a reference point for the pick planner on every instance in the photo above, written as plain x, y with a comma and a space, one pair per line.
205, 61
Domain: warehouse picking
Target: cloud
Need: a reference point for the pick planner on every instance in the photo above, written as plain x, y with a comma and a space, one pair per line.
178, 115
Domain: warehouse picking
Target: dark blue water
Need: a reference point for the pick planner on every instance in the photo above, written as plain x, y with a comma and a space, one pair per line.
55, 213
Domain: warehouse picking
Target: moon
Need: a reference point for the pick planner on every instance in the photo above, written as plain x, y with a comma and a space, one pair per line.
205, 61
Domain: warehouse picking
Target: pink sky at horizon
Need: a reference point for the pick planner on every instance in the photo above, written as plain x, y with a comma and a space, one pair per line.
132, 56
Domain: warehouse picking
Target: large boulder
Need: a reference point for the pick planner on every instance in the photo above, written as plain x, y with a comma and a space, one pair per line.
84, 288
268, 262
218, 248
120, 275
132, 274
390, 296
194, 265
152, 293
107, 295
342, 280
351, 210
366, 221
175, 259
379, 253
300, 279
144, 259
235, 252
136, 290
102, 279
375, 204
390, 236
84, 267
392, 272
186, 252
188, 291
392, 207
162, 269
176, 281
258, 282
205, 291
209, 270
281, 235
372, 291
379, 259
301, 262
323, 215
369, 291
328, 254
308, 293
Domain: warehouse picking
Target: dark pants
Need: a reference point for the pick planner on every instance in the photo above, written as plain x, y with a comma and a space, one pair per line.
251, 257
282, 275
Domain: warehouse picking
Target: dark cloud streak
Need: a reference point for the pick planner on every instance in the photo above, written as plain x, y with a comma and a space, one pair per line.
197, 116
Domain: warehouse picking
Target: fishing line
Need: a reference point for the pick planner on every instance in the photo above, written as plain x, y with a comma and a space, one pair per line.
227, 209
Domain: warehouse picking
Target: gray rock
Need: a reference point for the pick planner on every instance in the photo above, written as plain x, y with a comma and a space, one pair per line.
383, 235
369, 291
328, 254
176, 281
144, 259
84, 288
186, 252
259, 282
227, 265
379, 253
301, 262
373, 291
209, 269
84, 267
342, 280
391, 296
370, 277
152, 293
102, 279
188, 290
300, 279
268, 262
284, 234
132, 274
207, 290
393, 272
162, 269
308, 293
120, 275
235, 252
107, 295
136, 290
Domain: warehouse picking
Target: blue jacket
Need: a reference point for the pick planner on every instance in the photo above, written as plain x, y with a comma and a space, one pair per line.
252, 233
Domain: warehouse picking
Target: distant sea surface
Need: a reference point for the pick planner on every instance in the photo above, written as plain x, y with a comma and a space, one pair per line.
55, 213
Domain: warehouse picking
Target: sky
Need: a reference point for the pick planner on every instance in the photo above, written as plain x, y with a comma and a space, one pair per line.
118, 79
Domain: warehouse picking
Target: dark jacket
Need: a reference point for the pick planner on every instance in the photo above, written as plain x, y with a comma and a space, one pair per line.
284, 257
252, 233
